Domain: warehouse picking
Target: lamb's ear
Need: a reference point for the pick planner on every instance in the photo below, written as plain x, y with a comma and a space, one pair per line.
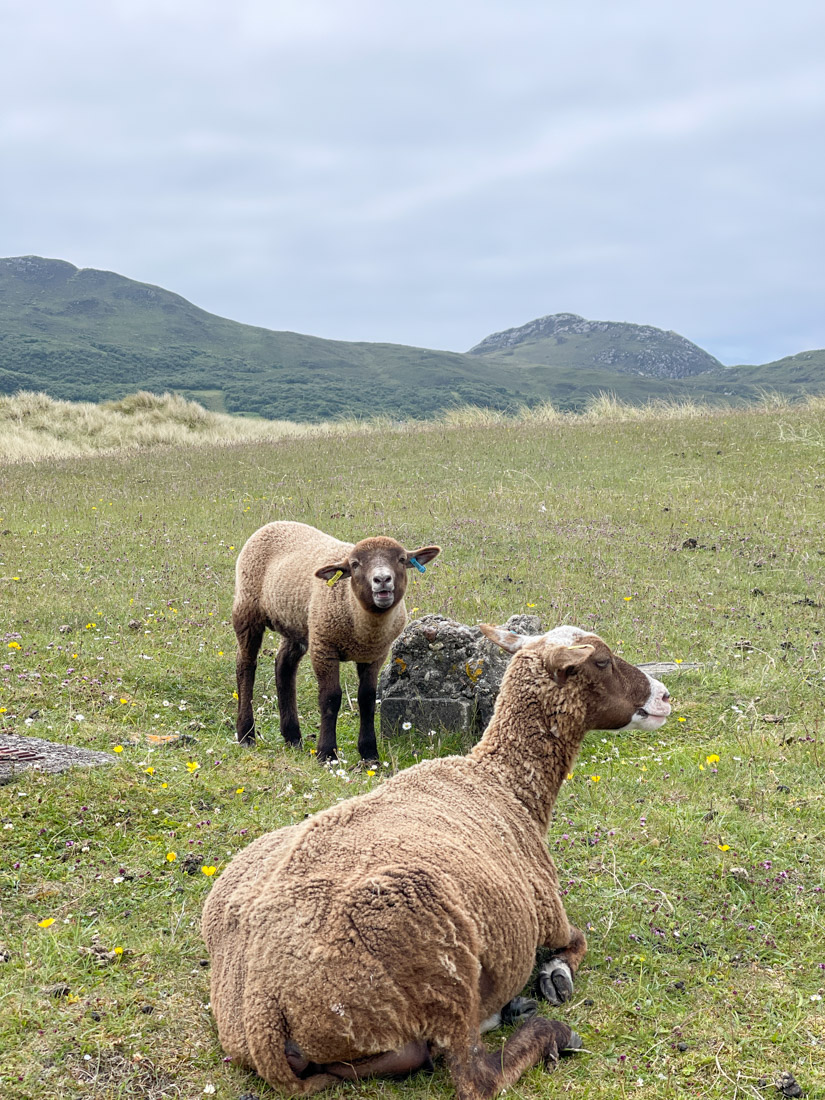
422, 555
563, 661
509, 642
337, 569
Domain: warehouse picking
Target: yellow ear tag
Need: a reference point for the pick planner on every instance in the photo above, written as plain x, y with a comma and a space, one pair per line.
334, 578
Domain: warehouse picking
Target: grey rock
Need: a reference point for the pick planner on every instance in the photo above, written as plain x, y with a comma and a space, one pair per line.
443, 675
18, 753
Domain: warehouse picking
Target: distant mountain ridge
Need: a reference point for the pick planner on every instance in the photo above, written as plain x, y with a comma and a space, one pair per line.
84, 334
627, 348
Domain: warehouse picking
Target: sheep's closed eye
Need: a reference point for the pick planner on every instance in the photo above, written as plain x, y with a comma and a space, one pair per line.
603, 663
355, 564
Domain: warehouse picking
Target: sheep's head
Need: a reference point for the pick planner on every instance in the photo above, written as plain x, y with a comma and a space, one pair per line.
377, 568
616, 695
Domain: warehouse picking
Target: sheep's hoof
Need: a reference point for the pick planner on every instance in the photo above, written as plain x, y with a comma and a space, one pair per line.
574, 1042
556, 982
247, 738
518, 1010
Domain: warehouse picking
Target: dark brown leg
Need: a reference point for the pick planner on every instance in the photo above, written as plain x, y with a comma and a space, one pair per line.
327, 670
367, 687
289, 657
394, 1063
250, 636
555, 980
478, 1074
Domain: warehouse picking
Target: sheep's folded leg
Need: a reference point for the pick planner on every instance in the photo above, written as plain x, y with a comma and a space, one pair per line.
393, 1063
478, 1074
555, 979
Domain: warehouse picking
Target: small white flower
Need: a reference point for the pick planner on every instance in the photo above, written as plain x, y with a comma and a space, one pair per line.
406, 725
79, 718
117, 880
208, 1090
816, 996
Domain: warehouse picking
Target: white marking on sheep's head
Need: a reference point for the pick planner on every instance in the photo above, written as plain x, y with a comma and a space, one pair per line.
377, 568
616, 694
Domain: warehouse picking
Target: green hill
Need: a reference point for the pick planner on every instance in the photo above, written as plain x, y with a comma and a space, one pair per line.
566, 338
88, 335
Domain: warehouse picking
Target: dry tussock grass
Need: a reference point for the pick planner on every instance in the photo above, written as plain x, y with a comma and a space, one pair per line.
34, 426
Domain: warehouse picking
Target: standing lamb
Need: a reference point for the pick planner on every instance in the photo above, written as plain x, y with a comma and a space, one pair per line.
394, 925
339, 600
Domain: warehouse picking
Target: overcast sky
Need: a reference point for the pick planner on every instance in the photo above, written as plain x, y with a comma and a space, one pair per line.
427, 173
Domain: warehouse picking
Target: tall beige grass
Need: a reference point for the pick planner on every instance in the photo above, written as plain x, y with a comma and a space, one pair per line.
34, 426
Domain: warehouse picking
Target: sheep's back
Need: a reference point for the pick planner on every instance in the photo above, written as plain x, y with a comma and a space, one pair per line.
430, 862
275, 572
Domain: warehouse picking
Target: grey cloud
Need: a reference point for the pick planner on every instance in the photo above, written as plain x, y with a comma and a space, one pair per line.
429, 174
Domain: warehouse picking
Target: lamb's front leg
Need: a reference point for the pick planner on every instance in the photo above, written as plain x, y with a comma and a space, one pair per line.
327, 670
367, 687
555, 980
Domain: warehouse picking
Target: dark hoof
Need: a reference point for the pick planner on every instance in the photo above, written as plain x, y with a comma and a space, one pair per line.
247, 738
518, 1010
293, 742
574, 1042
556, 982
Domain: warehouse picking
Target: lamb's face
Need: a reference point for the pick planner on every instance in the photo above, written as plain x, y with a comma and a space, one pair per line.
616, 694
377, 568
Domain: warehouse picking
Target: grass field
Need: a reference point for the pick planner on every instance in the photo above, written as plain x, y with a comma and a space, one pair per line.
693, 856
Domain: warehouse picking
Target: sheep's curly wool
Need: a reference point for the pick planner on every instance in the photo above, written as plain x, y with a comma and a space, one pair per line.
410, 912
395, 923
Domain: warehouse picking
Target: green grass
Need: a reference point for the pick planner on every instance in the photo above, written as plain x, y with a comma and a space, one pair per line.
582, 521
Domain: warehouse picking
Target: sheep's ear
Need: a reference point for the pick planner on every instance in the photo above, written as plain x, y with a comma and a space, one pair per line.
422, 555
509, 642
338, 570
562, 661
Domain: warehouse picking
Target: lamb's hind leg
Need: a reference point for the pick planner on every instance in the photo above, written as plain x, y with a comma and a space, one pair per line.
250, 635
555, 980
289, 657
478, 1074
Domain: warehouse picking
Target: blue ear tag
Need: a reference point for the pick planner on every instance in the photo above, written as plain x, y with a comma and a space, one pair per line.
335, 577
418, 565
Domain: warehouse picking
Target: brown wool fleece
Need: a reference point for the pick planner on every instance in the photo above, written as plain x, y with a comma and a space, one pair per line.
412, 912
276, 586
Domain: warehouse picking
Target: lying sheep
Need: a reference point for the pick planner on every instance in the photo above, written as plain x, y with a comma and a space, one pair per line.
339, 600
394, 925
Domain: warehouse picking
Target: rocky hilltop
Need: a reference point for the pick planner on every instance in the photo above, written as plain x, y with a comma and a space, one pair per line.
616, 345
